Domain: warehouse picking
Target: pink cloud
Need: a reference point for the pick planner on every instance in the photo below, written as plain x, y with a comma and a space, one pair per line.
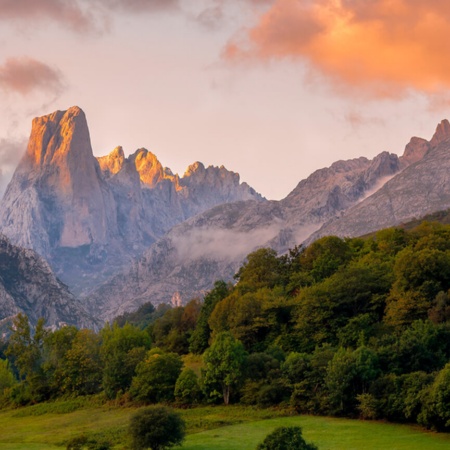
79, 15
381, 46
25, 75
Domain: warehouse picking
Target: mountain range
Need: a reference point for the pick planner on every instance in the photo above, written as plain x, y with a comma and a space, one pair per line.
121, 231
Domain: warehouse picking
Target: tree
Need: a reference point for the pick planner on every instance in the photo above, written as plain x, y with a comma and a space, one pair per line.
7, 378
157, 428
262, 269
156, 377
123, 348
286, 438
224, 362
436, 409
26, 351
187, 388
199, 339
82, 370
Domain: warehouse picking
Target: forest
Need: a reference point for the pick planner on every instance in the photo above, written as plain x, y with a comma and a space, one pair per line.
354, 327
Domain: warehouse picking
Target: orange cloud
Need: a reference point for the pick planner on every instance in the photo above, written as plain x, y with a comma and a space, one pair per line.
25, 75
386, 46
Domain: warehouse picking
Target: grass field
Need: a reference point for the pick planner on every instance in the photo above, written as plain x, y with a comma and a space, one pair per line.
209, 428
327, 433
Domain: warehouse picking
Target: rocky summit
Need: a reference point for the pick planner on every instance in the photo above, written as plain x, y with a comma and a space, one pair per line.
90, 216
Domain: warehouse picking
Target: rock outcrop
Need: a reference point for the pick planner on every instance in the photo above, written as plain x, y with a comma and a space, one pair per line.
28, 285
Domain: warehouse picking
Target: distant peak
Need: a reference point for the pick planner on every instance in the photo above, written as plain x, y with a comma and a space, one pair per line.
113, 162
442, 133
117, 153
196, 167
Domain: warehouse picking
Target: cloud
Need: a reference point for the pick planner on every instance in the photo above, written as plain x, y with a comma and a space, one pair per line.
206, 241
26, 75
79, 15
385, 47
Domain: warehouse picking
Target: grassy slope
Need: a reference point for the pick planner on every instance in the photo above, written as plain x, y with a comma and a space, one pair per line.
39, 429
327, 433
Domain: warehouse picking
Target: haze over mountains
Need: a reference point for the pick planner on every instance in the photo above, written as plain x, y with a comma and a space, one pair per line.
91, 217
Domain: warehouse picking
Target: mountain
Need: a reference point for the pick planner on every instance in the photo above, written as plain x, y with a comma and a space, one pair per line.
421, 188
212, 245
28, 285
121, 231
89, 217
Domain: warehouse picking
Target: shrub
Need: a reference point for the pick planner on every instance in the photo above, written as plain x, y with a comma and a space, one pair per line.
285, 438
156, 427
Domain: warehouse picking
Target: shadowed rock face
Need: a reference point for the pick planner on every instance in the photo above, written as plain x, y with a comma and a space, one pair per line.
212, 245
28, 285
90, 216
421, 188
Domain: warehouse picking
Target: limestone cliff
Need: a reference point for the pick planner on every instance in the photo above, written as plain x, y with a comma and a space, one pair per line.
28, 285
91, 216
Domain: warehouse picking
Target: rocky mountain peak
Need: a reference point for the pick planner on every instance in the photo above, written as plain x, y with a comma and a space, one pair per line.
59, 138
57, 187
112, 163
150, 170
441, 134
415, 150
194, 168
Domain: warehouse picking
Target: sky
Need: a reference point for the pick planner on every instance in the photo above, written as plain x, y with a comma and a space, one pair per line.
271, 89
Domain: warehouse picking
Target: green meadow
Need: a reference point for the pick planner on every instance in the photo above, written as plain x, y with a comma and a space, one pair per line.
49, 426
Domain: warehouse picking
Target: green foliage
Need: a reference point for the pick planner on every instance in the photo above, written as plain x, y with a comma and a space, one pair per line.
26, 352
187, 388
7, 378
199, 339
224, 366
173, 330
325, 256
81, 373
156, 428
122, 349
156, 377
141, 318
262, 269
286, 438
83, 442
435, 413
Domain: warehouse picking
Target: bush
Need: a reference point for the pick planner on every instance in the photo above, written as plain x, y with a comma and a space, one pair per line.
83, 442
156, 427
285, 438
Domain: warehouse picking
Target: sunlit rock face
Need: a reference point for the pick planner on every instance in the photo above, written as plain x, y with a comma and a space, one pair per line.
55, 198
28, 285
90, 216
